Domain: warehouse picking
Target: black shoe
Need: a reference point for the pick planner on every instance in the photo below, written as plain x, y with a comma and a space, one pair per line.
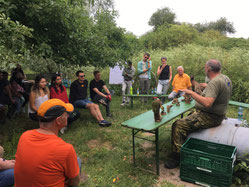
104, 123
173, 161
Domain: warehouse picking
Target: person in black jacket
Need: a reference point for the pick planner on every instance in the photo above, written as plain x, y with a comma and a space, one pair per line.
78, 97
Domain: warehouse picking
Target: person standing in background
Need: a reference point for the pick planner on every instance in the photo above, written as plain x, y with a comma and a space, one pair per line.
144, 71
165, 75
128, 74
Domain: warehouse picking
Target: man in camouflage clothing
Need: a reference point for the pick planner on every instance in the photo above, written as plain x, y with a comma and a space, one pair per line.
211, 107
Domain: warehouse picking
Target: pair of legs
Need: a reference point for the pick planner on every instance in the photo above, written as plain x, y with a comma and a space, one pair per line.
94, 108
126, 85
2, 113
181, 128
174, 94
162, 88
99, 99
144, 86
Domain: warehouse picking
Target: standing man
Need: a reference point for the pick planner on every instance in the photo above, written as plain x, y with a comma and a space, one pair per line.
181, 81
128, 74
96, 94
144, 71
78, 97
211, 108
42, 158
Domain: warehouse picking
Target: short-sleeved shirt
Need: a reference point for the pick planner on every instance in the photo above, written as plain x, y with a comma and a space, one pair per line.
44, 160
181, 82
219, 88
96, 84
78, 91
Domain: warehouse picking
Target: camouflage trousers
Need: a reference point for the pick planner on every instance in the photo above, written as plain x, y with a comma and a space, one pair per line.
181, 128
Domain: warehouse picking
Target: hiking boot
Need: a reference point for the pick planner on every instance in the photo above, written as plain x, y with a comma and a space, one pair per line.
102, 101
173, 161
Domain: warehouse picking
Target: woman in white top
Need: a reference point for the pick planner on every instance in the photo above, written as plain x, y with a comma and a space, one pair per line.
39, 93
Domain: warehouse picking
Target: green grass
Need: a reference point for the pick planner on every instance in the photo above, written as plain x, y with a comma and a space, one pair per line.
106, 153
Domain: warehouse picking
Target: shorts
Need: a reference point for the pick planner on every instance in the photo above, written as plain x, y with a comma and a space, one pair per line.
81, 103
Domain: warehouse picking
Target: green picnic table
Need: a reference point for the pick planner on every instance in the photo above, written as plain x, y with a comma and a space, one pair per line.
144, 95
145, 123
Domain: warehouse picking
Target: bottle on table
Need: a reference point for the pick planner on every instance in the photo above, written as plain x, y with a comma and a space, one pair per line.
138, 91
131, 90
152, 91
240, 113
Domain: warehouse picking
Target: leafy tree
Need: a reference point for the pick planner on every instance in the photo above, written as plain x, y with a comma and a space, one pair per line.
161, 17
221, 25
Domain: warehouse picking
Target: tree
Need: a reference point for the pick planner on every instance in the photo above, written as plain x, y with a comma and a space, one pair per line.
221, 25
161, 17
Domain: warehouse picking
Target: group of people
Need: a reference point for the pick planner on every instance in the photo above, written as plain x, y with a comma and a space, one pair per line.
13, 93
49, 161
164, 72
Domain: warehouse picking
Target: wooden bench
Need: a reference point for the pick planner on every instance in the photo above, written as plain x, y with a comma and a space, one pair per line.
145, 123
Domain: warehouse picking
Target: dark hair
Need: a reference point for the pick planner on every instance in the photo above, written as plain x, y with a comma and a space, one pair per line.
129, 62
35, 88
96, 72
164, 58
147, 54
78, 72
53, 78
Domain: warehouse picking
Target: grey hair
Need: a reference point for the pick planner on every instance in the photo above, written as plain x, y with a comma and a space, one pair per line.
165, 58
214, 65
180, 67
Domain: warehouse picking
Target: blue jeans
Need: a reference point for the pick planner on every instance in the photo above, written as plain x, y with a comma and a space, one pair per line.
81, 103
7, 177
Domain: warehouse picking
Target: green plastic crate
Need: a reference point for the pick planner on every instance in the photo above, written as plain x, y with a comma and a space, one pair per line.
210, 157
191, 174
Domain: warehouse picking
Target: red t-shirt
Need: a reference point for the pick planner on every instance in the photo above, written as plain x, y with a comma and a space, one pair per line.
62, 95
44, 160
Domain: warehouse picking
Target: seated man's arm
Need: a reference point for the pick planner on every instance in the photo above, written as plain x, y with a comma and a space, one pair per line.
205, 101
74, 181
106, 89
99, 93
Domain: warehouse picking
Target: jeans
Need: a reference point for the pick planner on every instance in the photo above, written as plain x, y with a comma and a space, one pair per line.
81, 103
174, 94
162, 87
7, 177
144, 86
126, 85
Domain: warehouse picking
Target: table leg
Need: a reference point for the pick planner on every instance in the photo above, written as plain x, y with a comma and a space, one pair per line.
133, 144
157, 152
131, 102
181, 115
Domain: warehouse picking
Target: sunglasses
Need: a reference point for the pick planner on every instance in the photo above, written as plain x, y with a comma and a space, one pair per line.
82, 76
146, 57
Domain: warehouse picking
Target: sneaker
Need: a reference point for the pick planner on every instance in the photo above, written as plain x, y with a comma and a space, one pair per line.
62, 130
122, 104
109, 115
104, 123
102, 101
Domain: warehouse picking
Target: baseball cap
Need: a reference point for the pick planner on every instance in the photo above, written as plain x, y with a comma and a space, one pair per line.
53, 108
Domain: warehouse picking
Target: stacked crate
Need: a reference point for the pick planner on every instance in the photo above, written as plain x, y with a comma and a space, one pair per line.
206, 163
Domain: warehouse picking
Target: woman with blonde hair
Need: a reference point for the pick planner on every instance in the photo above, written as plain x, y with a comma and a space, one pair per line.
39, 94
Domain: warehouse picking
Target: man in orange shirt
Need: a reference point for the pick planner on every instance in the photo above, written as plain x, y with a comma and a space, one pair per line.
42, 158
181, 81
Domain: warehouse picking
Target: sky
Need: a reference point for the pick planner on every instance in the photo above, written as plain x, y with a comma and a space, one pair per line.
134, 15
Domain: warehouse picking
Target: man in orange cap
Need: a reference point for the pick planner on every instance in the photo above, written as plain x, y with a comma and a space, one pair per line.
42, 158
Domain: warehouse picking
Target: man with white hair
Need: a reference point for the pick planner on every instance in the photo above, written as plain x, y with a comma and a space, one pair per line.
180, 81
211, 108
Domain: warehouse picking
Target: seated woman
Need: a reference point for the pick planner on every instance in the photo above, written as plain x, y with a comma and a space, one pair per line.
58, 91
39, 93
